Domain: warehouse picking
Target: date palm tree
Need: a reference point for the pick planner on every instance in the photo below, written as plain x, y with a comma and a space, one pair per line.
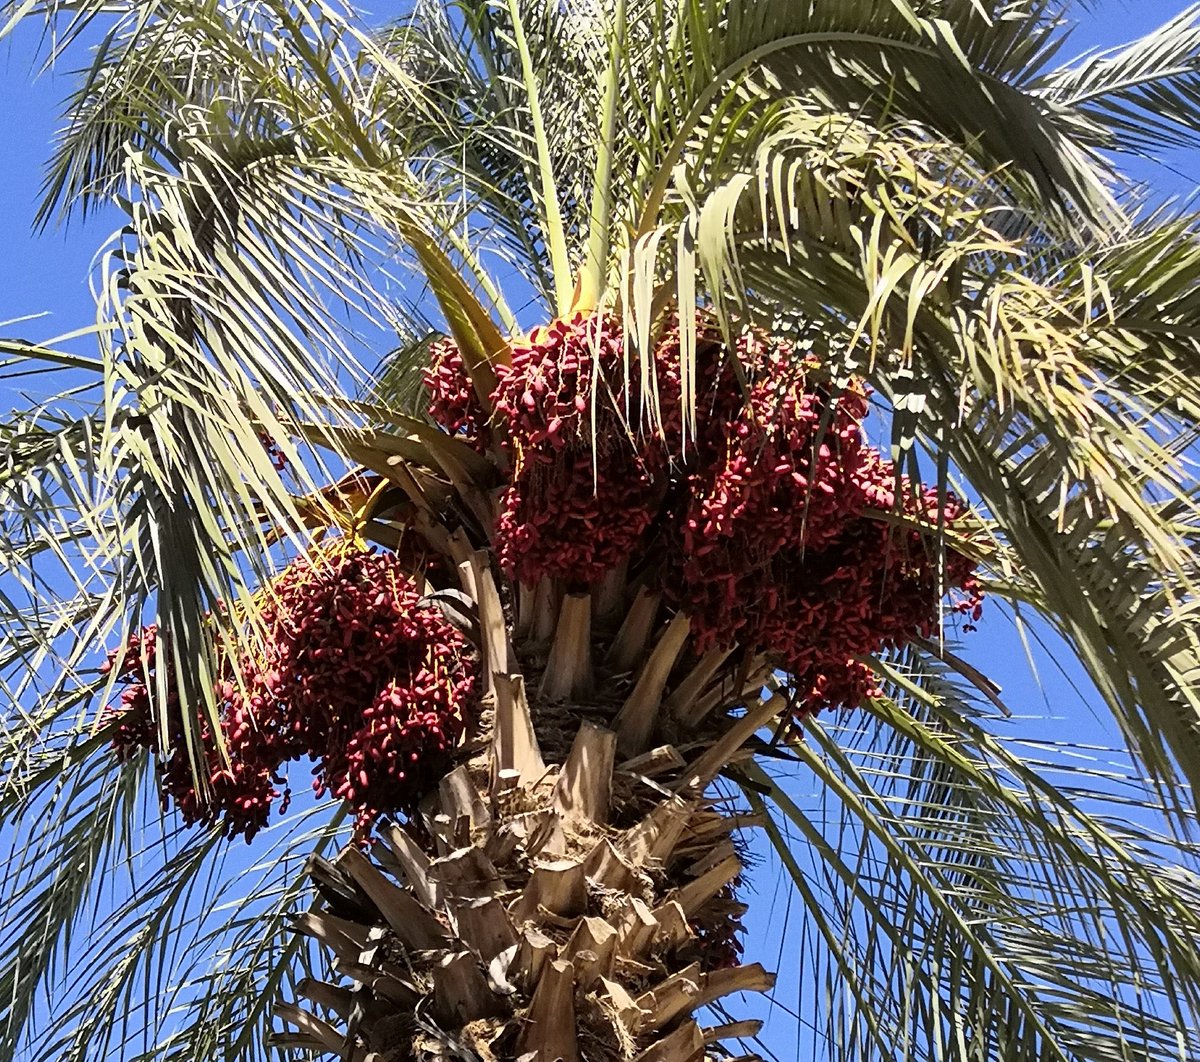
913, 193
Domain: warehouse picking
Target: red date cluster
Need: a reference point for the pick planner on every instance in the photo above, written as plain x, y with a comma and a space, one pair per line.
780, 529
136, 667
795, 536
718, 936
586, 484
453, 402
773, 471
241, 788
353, 673
875, 586
274, 451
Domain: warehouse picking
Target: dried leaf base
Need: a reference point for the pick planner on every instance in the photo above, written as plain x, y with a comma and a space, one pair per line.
558, 897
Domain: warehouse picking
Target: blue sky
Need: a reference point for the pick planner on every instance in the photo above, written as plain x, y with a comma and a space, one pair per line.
48, 274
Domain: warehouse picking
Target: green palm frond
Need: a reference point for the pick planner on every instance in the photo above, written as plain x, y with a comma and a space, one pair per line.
246, 955
962, 903
960, 70
183, 953
256, 207
71, 829
483, 90
1144, 95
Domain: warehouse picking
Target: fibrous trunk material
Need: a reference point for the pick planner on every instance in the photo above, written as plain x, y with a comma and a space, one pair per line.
566, 892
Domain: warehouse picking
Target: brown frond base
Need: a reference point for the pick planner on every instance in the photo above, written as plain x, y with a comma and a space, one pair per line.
529, 931
566, 893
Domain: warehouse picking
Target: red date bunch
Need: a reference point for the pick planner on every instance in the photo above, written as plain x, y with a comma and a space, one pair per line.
586, 485
136, 669
718, 933
780, 529
353, 673
453, 402
372, 685
874, 587
794, 536
241, 789
773, 469
274, 451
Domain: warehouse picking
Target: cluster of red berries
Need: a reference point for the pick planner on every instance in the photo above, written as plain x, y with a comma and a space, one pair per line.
133, 715
274, 452
779, 527
240, 791
585, 484
873, 587
718, 935
771, 472
453, 402
353, 673
788, 539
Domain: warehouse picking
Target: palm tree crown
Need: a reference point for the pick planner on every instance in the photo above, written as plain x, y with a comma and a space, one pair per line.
911, 199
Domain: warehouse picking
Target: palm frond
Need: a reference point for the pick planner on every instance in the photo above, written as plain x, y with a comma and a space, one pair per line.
959, 73
75, 826
1141, 96
259, 199
483, 89
962, 905
182, 954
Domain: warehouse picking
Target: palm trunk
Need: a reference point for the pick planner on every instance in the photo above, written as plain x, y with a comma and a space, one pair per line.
566, 892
